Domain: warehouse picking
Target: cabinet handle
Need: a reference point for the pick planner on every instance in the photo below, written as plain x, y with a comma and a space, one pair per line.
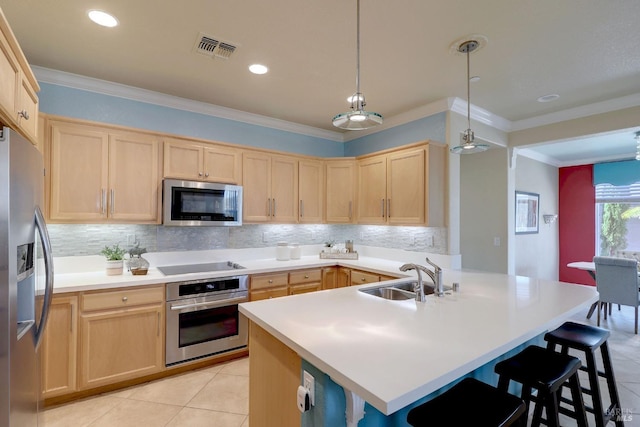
270, 281
301, 208
388, 208
268, 207
24, 114
382, 207
306, 276
274, 208
350, 209
206, 174
363, 279
113, 200
199, 173
125, 299
103, 201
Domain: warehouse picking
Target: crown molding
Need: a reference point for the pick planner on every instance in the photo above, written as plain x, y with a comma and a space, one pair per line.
534, 155
75, 81
481, 115
578, 112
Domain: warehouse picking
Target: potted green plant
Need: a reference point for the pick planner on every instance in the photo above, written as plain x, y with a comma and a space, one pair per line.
114, 255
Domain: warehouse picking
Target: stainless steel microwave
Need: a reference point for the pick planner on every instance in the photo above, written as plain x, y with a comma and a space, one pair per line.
194, 203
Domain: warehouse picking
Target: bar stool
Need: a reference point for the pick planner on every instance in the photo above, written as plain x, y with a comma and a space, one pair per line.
587, 339
545, 371
470, 403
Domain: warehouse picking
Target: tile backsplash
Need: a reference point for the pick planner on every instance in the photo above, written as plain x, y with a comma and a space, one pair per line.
89, 239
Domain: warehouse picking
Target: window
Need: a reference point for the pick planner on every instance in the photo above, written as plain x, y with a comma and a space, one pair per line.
617, 219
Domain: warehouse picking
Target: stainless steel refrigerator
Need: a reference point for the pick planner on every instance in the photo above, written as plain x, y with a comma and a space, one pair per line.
26, 279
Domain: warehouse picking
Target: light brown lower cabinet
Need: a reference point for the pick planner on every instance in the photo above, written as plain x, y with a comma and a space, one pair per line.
59, 348
329, 277
121, 335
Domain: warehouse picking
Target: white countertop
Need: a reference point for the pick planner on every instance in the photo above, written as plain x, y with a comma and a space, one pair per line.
393, 353
85, 273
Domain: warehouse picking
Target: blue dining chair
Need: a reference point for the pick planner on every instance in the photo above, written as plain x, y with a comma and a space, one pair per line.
617, 283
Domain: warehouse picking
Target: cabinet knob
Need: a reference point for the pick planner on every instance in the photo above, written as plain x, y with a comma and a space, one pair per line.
306, 276
206, 174
199, 173
270, 281
363, 279
125, 299
24, 114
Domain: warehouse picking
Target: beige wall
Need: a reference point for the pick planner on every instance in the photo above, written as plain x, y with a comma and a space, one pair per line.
536, 255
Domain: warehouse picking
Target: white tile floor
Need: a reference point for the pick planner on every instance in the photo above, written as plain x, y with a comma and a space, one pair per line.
218, 396
212, 397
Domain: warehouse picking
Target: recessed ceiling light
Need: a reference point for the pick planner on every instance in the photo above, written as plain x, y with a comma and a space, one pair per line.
549, 98
258, 69
103, 18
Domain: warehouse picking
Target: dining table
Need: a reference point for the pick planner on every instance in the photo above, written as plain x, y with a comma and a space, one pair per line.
589, 267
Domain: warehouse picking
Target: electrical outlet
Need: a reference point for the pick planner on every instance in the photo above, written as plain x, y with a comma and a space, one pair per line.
430, 241
131, 239
309, 383
265, 237
496, 241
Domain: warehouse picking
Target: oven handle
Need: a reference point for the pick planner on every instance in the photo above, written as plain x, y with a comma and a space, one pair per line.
217, 303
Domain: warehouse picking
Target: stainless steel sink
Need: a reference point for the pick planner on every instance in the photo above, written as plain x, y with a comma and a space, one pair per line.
397, 292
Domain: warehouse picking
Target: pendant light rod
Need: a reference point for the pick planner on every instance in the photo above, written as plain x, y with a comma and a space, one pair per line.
469, 145
357, 118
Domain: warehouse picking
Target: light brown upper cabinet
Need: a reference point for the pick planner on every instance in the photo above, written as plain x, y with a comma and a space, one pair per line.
394, 188
18, 86
191, 160
340, 191
311, 191
96, 175
270, 188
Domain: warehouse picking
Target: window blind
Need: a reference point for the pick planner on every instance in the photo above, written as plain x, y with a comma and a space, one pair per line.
618, 193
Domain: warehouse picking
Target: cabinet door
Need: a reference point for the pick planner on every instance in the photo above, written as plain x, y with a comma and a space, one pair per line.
27, 110
344, 277
405, 187
182, 160
311, 191
256, 178
59, 348
134, 178
268, 293
284, 189
121, 344
79, 173
304, 288
222, 164
372, 190
9, 78
340, 191
329, 277
363, 277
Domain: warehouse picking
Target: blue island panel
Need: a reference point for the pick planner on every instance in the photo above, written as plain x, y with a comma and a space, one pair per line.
330, 403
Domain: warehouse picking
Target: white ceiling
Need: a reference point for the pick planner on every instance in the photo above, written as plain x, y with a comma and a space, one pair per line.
584, 50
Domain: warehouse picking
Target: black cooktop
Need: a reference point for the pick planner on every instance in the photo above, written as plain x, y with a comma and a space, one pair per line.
172, 270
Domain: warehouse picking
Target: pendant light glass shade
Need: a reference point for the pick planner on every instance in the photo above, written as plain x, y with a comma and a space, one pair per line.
469, 145
357, 118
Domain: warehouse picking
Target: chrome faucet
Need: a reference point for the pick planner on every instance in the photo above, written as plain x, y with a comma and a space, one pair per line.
435, 275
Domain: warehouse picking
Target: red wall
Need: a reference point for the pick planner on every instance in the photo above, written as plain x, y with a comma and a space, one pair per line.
576, 221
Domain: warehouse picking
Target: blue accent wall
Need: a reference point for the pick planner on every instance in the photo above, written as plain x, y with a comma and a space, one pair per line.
617, 173
81, 104
330, 403
432, 127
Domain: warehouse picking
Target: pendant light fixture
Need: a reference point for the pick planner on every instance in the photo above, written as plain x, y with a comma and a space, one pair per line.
469, 146
357, 118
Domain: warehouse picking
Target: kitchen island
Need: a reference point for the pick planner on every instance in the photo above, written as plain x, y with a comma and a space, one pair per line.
392, 354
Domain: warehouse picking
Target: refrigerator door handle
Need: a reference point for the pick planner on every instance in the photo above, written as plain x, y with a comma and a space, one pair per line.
48, 267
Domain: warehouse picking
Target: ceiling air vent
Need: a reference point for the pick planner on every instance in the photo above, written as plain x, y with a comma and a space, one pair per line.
214, 47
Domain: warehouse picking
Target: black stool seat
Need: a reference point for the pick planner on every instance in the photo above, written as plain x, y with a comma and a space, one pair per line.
588, 339
578, 336
545, 371
469, 403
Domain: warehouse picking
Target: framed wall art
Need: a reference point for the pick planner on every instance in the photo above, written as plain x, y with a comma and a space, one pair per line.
527, 212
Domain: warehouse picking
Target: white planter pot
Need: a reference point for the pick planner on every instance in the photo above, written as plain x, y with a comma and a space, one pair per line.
114, 268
